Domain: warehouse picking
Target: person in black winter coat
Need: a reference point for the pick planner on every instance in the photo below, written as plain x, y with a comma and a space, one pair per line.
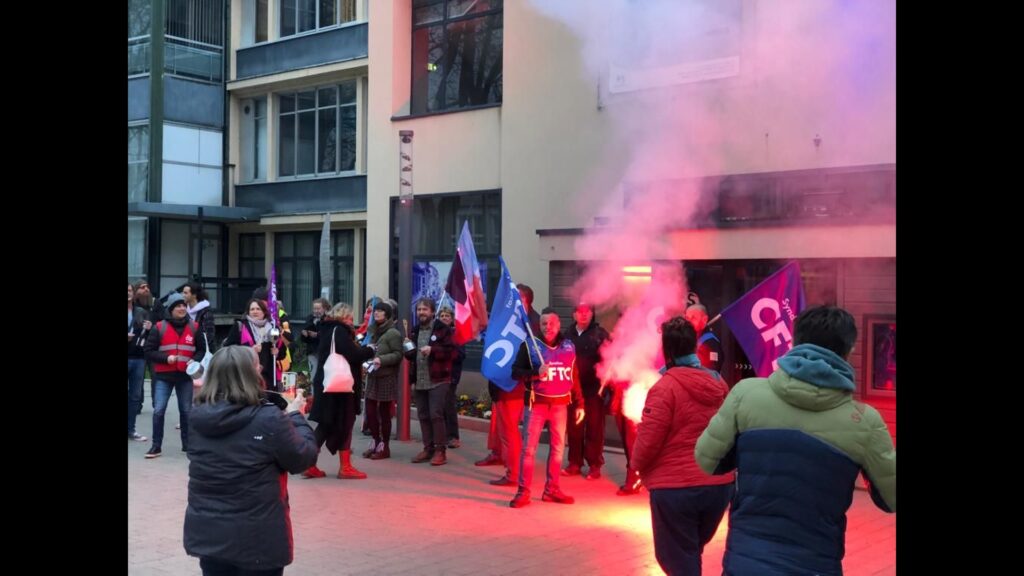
335, 412
310, 334
238, 517
586, 439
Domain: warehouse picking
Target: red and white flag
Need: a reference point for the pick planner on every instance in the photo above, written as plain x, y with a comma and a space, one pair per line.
466, 290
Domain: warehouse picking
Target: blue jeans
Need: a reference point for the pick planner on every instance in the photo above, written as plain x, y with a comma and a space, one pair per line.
136, 371
162, 395
534, 417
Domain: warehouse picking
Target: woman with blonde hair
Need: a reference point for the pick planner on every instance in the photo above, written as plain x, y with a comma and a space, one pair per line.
335, 412
240, 451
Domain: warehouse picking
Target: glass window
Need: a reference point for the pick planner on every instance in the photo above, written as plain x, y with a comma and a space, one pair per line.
318, 131
456, 54
439, 222
251, 250
137, 247
297, 259
138, 163
298, 16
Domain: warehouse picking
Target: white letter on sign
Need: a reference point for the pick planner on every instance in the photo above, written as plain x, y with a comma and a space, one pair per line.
506, 349
760, 306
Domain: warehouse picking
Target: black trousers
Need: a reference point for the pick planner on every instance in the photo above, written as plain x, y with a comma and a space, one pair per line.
586, 439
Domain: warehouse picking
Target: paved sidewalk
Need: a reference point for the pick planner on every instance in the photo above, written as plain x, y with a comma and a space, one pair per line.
415, 519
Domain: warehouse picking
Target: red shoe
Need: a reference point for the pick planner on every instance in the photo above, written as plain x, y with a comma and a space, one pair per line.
313, 472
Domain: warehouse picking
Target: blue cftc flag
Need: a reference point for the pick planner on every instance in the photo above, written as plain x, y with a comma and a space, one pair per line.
505, 333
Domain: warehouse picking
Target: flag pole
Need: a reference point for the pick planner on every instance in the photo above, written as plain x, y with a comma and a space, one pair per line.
526, 320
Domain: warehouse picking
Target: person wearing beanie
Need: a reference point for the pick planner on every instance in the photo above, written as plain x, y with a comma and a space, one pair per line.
382, 379
170, 347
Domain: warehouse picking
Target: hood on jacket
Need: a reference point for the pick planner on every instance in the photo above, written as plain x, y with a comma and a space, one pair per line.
221, 418
819, 366
812, 378
199, 306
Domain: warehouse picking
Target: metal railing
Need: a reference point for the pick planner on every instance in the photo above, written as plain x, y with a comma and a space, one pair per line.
193, 59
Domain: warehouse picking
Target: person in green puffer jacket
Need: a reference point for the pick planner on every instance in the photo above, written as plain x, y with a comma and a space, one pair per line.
800, 441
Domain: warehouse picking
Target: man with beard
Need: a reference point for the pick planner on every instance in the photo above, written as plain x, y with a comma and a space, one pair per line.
430, 376
552, 383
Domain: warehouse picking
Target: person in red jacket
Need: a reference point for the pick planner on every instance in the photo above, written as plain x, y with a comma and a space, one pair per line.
686, 503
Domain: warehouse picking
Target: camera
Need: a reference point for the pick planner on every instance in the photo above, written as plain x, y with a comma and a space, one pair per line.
369, 366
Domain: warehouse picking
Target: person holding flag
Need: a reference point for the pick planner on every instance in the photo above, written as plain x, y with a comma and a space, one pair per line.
506, 332
255, 330
465, 288
552, 382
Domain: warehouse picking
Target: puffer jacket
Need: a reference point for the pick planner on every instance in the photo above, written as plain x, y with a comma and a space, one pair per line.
240, 455
800, 441
677, 410
388, 339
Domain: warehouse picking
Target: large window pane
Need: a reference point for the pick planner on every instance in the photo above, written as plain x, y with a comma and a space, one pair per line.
323, 123
136, 247
427, 11
307, 143
251, 251
342, 248
327, 96
307, 15
328, 139
328, 14
348, 10
348, 139
260, 148
286, 153
262, 20
298, 271
457, 56
138, 163
288, 11
457, 8
298, 16
347, 92
138, 18
440, 221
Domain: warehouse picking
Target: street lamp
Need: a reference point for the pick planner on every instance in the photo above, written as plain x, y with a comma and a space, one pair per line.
405, 234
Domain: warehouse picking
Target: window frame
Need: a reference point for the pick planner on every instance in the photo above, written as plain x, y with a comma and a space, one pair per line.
444, 22
337, 23
296, 113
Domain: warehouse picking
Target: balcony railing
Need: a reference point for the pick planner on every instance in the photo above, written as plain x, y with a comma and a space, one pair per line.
138, 55
182, 57
193, 59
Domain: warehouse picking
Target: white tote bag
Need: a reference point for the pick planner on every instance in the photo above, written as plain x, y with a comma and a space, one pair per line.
337, 372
